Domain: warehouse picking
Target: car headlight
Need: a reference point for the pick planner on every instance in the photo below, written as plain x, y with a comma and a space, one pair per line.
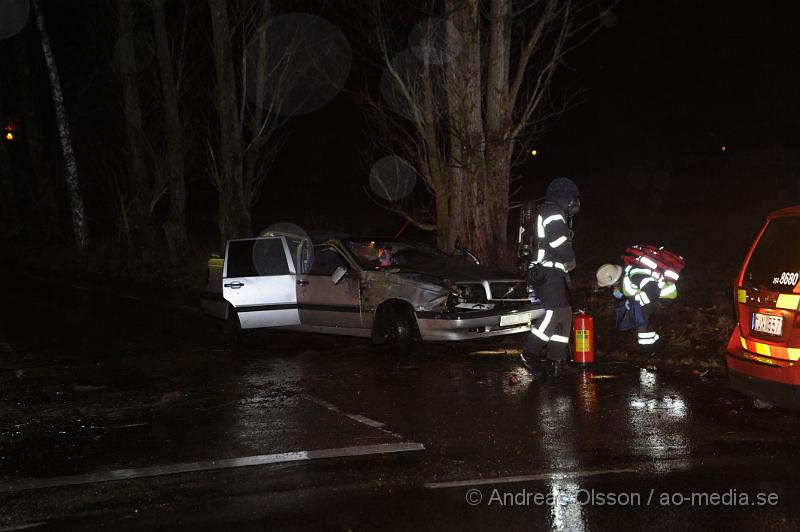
472, 293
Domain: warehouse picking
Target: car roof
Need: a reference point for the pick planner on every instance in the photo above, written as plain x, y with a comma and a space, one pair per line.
786, 211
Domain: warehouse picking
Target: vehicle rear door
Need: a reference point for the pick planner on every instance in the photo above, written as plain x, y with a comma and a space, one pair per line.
769, 294
260, 282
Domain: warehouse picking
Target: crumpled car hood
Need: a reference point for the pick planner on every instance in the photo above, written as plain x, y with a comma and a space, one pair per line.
454, 269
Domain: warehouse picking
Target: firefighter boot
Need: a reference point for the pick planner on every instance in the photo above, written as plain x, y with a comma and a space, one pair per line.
648, 353
532, 362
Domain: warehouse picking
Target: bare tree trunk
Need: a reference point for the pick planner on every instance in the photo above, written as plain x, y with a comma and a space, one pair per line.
139, 218
175, 226
451, 221
499, 147
234, 211
252, 159
468, 142
479, 229
498, 172
79, 224
35, 141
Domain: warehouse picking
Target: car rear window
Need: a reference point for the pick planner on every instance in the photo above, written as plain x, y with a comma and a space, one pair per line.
775, 263
257, 257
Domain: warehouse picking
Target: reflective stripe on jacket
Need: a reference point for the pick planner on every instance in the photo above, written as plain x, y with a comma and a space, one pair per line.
645, 286
553, 243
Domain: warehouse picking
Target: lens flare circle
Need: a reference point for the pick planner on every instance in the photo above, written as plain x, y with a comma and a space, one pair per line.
296, 64
14, 15
392, 178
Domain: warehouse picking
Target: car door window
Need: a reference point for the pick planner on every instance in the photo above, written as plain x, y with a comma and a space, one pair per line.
302, 252
255, 258
326, 260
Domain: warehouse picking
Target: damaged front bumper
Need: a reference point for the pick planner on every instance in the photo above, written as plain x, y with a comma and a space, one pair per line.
471, 325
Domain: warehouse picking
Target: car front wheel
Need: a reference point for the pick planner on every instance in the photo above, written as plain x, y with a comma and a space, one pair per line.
399, 330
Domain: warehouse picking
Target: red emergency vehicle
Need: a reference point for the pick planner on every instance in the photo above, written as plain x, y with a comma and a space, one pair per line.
764, 350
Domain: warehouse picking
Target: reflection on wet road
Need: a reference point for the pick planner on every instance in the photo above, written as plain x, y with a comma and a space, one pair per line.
143, 414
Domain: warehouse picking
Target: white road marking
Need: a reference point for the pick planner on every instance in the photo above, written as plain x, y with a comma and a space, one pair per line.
497, 352
358, 418
321, 402
366, 421
525, 478
191, 467
128, 426
26, 526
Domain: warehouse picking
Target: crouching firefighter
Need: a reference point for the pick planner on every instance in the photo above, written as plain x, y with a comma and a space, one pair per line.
642, 289
548, 276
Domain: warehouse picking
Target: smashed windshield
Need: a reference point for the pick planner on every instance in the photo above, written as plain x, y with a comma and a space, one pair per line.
386, 254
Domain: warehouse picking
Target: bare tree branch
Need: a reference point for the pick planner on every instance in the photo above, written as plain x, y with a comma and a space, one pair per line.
396, 209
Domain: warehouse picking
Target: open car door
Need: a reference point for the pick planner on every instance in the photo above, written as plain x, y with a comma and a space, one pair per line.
260, 282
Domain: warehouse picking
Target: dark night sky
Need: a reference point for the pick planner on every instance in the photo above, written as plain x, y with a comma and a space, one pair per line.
664, 88
672, 83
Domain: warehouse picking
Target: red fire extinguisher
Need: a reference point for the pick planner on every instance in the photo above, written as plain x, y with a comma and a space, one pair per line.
583, 338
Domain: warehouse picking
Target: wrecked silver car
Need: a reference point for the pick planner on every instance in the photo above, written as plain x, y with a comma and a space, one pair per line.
390, 291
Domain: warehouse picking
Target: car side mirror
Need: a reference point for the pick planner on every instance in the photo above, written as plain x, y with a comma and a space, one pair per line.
338, 274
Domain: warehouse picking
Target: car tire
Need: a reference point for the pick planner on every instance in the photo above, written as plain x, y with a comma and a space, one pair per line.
230, 327
400, 331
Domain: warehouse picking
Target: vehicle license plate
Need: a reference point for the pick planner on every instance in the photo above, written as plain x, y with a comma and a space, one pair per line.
515, 319
764, 323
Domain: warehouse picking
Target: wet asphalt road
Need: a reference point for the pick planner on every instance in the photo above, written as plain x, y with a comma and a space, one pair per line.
117, 412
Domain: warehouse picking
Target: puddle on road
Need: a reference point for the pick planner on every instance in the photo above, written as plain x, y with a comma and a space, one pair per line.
658, 418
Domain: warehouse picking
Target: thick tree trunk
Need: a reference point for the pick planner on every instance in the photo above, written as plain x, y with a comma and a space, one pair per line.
439, 178
498, 171
467, 169
137, 221
450, 201
474, 205
499, 147
35, 141
175, 226
79, 223
234, 211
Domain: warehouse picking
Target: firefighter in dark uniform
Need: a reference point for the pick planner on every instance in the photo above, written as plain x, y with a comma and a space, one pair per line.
548, 274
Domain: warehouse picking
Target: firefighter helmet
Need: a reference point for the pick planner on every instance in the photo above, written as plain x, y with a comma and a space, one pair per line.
564, 192
562, 188
608, 275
